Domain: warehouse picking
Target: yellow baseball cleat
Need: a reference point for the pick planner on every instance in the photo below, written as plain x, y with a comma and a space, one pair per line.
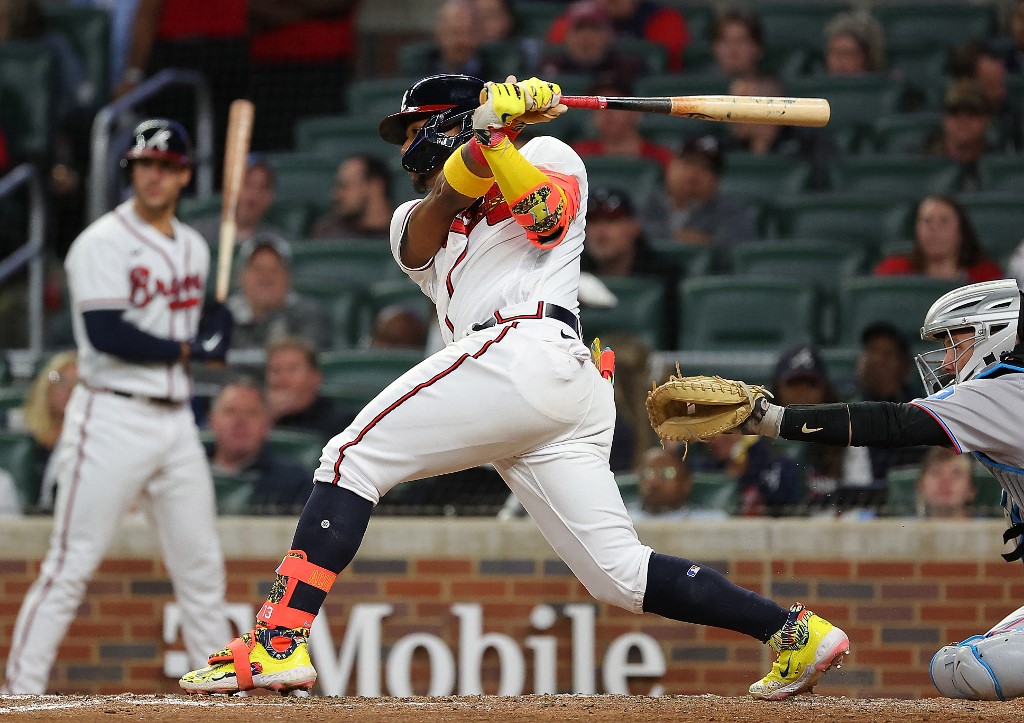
272, 658
807, 645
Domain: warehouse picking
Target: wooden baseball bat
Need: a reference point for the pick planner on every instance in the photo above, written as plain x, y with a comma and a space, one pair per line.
812, 112
236, 150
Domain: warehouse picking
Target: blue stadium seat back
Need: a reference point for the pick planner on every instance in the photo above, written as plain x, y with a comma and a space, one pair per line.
902, 301
1002, 173
746, 313
28, 77
867, 219
998, 218
88, 29
762, 178
363, 373
17, 458
947, 24
903, 174
640, 311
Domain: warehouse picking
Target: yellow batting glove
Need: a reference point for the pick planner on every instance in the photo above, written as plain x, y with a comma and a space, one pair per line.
505, 102
544, 104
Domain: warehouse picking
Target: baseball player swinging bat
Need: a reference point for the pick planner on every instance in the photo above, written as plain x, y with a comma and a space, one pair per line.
240, 119
813, 112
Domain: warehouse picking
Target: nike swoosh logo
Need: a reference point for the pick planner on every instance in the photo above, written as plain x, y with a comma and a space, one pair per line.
785, 671
211, 343
807, 430
564, 335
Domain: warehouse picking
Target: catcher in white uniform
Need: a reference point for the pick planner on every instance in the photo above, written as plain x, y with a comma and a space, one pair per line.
975, 383
495, 244
136, 278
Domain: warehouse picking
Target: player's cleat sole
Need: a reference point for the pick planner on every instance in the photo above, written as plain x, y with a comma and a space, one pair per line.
276, 659
810, 646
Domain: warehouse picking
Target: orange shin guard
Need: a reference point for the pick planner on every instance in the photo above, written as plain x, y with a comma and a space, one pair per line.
276, 611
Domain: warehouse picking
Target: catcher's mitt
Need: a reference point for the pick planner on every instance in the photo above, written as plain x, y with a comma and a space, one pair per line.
691, 409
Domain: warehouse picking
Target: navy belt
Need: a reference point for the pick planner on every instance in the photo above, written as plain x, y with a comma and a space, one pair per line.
159, 401
544, 309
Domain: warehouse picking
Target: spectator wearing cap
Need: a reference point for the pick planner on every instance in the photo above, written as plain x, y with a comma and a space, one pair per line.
883, 375
810, 145
266, 308
255, 198
976, 61
801, 377
692, 209
362, 205
617, 246
588, 48
639, 19
737, 44
966, 120
854, 44
618, 134
294, 396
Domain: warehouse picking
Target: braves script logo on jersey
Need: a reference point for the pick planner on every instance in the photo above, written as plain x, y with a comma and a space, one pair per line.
183, 293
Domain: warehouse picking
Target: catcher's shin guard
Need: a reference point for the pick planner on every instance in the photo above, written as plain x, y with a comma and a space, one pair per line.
295, 568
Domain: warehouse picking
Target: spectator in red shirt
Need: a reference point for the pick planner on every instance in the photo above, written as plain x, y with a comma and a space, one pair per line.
589, 48
617, 133
639, 19
946, 246
737, 43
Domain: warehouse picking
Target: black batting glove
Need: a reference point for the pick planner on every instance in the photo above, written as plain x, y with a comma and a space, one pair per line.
214, 337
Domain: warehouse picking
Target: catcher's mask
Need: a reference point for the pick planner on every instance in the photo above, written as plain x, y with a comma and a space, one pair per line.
990, 310
447, 102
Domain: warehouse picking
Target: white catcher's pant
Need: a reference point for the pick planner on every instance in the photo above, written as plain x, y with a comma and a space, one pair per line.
115, 451
528, 399
984, 667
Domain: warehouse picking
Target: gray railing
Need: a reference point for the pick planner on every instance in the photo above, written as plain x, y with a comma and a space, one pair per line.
102, 178
31, 253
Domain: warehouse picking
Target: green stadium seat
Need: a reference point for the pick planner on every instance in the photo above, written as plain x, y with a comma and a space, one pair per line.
901, 495
762, 178
671, 84
671, 132
194, 209
654, 54
715, 491
987, 492
340, 136
233, 493
900, 300
746, 313
302, 448
629, 487
5, 370
866, 219
824, 262
414, 57
534, 17
27, 82
503, 58
400, 291
693, 260
856, 101
359, 375
304, 177
10, 398
947, 24
998, 219
1002, 173
797, 23
378, 98
920, 63
17, 458
88, 29
905, 132
640, 311
787, 61
343, 262
902, 175
841, 362
345, 309
636, 176
293, 218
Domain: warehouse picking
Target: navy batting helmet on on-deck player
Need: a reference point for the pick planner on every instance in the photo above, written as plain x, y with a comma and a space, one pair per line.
448, 102
160, 138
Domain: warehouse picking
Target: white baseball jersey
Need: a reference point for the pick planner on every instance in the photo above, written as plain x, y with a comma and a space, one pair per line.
986, 417
487, 265
122, 262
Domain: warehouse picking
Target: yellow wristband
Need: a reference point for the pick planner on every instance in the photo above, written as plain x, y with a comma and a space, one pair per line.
463, 180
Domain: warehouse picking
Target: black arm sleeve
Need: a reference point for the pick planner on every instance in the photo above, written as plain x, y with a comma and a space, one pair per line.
863, 424
111, 334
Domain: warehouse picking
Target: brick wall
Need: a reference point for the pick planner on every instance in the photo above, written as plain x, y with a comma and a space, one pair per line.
897, 606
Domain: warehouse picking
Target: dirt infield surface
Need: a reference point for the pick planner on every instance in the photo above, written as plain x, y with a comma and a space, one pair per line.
171, 708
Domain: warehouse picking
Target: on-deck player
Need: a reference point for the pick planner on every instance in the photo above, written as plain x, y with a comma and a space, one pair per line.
136, 278
495, 244
975, 383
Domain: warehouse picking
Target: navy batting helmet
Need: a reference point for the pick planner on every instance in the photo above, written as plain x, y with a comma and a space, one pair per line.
160, 138
447, 102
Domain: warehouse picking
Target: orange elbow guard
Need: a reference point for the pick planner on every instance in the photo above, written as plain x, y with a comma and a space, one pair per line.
542, 212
